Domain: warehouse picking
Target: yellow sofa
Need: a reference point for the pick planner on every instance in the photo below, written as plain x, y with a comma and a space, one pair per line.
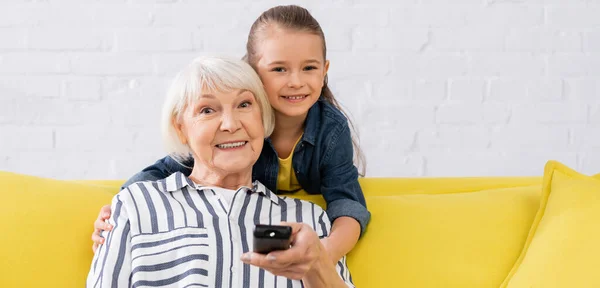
424, 232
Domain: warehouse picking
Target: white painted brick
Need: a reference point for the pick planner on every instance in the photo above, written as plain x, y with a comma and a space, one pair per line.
595, 115
12, 38
506, 64
352, 15
153, 40
496, 113
591, 41
61, 39
214, 42
405, 65
505, 15
589, 163
518, 137
95, 137
441, 65
398, 114
353, 95
466, 90
400, 165
569, 65
170, 64
414, 39
431, 91
543, 40
468, 39
13, 14
519, 91
197, 14
428, 15
546, 90
459, 113
586, 138
120, 16
50, 15
115, 89
26, 138
13, 87
83, 88
337, 38
583, 90
472, 113
8, 113
452, 138
393, 89
525, 163
33, 63
549, 113
452, 164
112, 64
573, 15
353, 64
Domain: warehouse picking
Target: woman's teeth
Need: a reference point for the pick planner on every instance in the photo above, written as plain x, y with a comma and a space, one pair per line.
231, 145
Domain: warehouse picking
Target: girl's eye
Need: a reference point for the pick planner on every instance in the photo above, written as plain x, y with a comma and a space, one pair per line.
308, 68
246, 104
206, 111
278, 69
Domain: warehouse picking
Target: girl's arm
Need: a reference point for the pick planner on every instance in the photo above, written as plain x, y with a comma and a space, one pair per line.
346, 205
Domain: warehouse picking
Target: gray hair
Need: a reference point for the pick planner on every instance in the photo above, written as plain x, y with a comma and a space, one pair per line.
213, 73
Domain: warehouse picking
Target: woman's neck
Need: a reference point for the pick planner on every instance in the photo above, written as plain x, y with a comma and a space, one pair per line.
233, 181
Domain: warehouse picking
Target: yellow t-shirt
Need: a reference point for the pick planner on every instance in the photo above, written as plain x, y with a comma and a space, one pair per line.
286, 178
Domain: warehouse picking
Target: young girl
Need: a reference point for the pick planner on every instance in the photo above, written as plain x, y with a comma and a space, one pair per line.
311, 147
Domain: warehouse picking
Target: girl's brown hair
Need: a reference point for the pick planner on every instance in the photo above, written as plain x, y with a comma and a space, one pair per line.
299, 19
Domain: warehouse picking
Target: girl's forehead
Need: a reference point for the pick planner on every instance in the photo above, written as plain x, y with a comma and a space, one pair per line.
291, 45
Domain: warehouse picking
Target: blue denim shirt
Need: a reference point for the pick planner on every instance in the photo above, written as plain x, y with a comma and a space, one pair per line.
322, 161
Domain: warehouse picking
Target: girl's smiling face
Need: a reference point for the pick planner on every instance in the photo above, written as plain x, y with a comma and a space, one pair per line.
292, 68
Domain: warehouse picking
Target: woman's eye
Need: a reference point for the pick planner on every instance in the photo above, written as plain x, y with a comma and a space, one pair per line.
245, 104
310, 68
278, 69
206, 111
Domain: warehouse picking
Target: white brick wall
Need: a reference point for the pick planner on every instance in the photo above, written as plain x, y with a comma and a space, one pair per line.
437, 88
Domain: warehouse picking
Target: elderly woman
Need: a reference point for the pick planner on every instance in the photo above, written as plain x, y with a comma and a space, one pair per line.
196, 231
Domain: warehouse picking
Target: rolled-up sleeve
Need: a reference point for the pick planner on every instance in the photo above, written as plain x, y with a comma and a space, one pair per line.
339, 185
111, 266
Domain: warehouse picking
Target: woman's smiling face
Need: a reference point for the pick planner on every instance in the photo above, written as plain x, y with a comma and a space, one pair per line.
224, 130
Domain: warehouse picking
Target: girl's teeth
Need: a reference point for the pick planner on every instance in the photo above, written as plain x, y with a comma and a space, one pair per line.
294, 97
231, 145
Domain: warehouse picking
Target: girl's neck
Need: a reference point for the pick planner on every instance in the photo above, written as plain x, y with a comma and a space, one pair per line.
205, 177
287, 127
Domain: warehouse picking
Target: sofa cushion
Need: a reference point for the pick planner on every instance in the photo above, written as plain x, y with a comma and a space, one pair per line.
45, 240
563, 246
445, 240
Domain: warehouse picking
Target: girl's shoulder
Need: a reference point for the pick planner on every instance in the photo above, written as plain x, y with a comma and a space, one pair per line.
328, 115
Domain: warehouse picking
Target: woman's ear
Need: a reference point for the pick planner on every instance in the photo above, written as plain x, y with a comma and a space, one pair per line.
179, 129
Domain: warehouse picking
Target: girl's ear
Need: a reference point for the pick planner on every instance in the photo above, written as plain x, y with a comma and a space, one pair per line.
179, 129
326, 66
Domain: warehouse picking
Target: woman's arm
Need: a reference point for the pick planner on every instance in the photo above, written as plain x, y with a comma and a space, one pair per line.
111, 266
306, 260
161, 169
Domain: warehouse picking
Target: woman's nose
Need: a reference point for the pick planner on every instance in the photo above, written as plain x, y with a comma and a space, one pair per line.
230, 122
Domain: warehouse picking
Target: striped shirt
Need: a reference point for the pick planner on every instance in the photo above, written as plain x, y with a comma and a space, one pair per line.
173, 233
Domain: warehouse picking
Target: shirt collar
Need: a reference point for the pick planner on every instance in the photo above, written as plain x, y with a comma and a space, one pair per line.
177, 181
312, 123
